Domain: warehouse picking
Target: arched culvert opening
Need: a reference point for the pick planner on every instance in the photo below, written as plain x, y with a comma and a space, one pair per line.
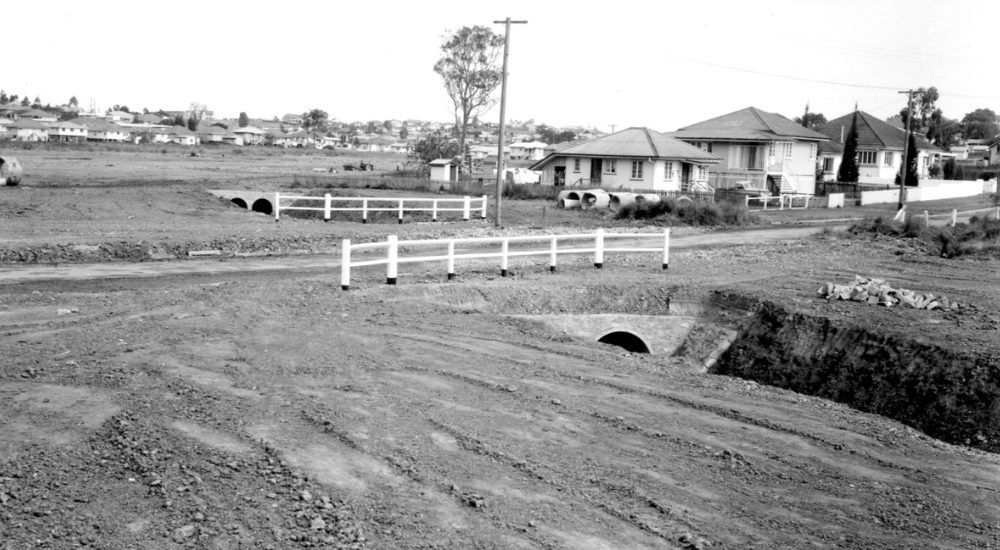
626, 340
240, 202
263, 206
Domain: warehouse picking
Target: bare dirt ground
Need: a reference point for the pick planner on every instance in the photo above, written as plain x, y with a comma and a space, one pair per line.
270, 409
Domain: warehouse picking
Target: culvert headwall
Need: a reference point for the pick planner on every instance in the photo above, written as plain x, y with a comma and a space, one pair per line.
947, 394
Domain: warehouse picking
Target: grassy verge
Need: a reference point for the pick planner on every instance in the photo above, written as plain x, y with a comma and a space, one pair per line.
671, 212
979, 237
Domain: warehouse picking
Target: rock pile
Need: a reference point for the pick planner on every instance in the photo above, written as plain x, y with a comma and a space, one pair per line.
877, 292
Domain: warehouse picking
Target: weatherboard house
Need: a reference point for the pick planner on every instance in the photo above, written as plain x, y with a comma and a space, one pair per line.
634, 158
880, 148
759, 150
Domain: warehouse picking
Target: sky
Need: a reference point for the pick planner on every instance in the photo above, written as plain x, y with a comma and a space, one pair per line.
660, 64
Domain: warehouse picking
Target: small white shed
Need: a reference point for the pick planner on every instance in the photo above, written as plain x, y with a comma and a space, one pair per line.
444, 170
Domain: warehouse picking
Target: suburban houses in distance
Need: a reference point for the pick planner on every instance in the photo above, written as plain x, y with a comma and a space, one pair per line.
758, 150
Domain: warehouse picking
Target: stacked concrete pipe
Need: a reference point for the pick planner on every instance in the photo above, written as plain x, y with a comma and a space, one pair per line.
595, 198
647, 198
621, 200
569, 199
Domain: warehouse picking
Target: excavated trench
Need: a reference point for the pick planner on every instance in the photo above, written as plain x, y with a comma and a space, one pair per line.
951, 395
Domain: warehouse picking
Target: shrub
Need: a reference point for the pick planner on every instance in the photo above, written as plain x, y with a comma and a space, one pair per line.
670, 212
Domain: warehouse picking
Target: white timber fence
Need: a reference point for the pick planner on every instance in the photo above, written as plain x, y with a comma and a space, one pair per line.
465, 205
784, 201
592, 243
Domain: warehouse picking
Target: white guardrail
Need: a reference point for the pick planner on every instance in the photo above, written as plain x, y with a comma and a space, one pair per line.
466, 206
392, 259
782, 199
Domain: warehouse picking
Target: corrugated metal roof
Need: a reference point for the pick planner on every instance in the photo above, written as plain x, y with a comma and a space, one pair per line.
873, 133
750, 124
639, 142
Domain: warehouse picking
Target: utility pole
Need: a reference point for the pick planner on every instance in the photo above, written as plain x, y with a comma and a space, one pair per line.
612, 127
503, 116
906, 149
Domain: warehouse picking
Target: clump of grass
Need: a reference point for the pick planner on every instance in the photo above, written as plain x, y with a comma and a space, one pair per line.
671, 212
979, 237
530, 192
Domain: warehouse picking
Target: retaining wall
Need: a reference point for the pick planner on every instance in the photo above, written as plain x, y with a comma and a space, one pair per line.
938, 191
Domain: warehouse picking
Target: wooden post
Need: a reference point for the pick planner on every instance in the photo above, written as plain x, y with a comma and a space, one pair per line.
484, 208
434, 211
503, 256
364, 211
553, 252
954, 216
326, 207
927, 219
392, 269
666, 248
599, 249
277, 206
345, 265
401, 211
451, 260
466, 206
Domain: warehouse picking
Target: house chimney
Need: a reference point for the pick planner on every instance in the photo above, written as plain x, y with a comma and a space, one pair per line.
842, 135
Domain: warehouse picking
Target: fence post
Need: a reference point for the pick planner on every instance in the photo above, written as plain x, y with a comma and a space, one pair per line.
392, 270
326, 207
954, 216
927, 219
400, 211
345, 265
484, 208
434, 211
781, 202
364, 211
277, 206
465, 212
552, 254
746, 202
503, 251
599, 248
666, 248
451, 260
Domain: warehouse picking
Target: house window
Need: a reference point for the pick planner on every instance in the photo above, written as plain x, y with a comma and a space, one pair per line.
705, 146
888, 158
576, 165
812, 151
867, 157
702, 172
828, 165
637, 169
770, 149
747, 157
610, 166
668, 170
788, 151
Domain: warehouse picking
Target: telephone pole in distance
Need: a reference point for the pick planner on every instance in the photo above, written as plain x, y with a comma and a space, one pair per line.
904, 170
503, 116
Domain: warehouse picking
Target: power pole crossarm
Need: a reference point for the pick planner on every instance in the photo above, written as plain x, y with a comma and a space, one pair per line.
503, 116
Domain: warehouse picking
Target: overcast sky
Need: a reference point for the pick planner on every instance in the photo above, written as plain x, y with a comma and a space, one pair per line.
661, 64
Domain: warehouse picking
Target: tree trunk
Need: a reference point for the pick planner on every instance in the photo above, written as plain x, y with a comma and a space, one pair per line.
461, 142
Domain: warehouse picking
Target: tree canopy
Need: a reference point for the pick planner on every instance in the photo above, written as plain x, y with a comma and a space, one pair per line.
3, 97
848, 171
433, 147
809, 120
980, 124
72, 101
554, 135
244, 120
912, 162
470, 72
315, 120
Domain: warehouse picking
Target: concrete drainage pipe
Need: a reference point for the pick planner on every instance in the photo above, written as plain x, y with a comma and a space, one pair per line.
594, 199
647, 198
621, 200
571, 200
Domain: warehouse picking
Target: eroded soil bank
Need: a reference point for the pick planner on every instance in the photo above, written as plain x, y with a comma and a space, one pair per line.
946, 393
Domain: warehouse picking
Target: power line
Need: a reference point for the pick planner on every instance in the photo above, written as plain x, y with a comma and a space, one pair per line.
830, 82
886, 51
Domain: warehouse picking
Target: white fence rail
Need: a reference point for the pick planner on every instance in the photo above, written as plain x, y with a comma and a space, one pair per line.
784, 201
435, 206
392, 246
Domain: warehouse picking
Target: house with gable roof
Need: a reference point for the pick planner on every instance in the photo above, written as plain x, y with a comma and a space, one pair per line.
880, 148
758, 150
27, 129
67, 131
634, 158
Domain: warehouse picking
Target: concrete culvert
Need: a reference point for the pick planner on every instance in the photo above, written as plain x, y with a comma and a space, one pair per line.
626, 340
263, 206
621, 200
647, 198
571, 200
239, 202
10, 171
594, 199
684, 200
